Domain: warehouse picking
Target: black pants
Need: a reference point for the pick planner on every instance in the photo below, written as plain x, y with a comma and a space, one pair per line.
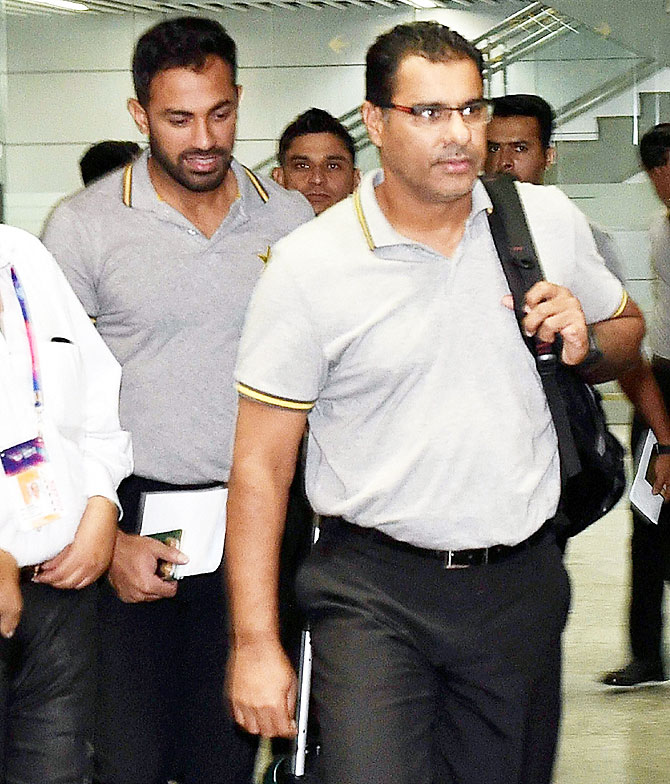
46, 688
650, 554
424, 675
161, 712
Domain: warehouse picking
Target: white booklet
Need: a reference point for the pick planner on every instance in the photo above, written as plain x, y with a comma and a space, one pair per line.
641, 496
200, 515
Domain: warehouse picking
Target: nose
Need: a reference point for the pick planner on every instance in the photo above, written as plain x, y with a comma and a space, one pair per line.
203, 136
506, 160
316, 175
455, 130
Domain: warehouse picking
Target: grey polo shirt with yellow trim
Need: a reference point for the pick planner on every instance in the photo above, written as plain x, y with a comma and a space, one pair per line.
170, 304
427, 416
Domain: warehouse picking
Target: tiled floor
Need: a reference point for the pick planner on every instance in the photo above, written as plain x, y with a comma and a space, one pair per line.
608, 737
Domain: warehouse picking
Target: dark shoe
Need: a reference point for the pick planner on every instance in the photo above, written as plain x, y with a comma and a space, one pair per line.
636, 673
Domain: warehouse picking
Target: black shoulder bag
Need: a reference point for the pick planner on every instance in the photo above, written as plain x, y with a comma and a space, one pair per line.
592, 471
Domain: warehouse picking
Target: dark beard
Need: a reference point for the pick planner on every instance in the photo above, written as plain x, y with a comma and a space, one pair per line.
197, 183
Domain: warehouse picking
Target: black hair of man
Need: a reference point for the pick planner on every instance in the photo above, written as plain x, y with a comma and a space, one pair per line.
654, 146
525, 105
104, 157
431, 40
314, 121
185, 42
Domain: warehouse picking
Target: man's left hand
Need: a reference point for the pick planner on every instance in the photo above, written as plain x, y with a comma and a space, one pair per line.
662, 477
82, 562
552, 310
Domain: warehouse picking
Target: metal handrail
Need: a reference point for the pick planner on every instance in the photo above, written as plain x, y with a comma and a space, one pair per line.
514, 30
609, 89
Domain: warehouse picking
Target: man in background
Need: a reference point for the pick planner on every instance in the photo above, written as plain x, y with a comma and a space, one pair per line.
317, 157
103, 157
519, 144
650, 544
165, 255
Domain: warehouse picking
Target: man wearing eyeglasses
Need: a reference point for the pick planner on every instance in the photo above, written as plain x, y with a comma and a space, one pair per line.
436, 593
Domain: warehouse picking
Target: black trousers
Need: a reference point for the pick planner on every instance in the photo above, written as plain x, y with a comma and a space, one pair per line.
46, 688
160, 707
650, 554
424, 675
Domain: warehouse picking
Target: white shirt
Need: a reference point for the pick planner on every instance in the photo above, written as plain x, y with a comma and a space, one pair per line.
88, 451
428, 419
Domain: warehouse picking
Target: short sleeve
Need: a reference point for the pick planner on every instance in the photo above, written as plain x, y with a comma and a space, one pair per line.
281, 359
65, 237
568, 252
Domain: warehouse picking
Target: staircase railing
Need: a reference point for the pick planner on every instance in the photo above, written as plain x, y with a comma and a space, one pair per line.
508, 42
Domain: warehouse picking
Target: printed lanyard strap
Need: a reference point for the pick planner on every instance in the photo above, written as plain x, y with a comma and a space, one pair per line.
21, 296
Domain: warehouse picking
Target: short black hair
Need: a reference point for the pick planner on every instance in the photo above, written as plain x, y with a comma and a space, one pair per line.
314, 121
185, 42
525, 105
104, 157
654, 146
434, 41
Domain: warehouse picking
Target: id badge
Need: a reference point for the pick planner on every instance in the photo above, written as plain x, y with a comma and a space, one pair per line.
32, 483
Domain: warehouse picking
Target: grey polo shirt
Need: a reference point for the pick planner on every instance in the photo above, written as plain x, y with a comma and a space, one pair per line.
427, 416
170, 303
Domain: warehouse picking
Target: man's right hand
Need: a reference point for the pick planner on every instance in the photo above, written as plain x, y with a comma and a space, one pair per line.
132, 572
262, 689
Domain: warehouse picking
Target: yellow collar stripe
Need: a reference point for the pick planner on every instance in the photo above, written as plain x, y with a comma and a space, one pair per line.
128, 184
261, 397
361, 219
622, 305
257, 184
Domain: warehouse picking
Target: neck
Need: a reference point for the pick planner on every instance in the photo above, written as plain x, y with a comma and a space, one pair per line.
205, 209
438, 224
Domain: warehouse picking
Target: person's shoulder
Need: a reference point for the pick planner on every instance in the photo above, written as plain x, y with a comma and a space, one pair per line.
98, 198
23, 249
328, 231
543, 196
291, 203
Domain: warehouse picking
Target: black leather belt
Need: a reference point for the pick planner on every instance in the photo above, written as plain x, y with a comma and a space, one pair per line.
451, 559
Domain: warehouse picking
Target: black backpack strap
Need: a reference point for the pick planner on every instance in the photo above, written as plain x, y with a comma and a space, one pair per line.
521, 266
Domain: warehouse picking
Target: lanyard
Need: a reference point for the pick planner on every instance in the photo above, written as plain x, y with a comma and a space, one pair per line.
21, 296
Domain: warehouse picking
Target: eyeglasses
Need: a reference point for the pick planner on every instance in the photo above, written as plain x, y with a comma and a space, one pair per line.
473, 113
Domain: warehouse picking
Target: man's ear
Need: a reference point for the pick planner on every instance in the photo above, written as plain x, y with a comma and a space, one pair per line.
373, 118
278, 175
549, 157
139, 115
357, 177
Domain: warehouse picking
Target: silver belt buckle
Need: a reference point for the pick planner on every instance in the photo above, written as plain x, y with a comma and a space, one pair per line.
448, 556
449, 565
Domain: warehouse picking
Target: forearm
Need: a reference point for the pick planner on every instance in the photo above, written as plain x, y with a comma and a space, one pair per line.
643, 392
266, 448
619, 340
255, 524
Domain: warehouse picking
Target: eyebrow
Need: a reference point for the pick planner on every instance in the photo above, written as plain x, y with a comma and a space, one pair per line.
185, 113
300, 157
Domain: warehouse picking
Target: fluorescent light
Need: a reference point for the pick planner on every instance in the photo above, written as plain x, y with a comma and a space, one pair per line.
423, 3
65, 5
